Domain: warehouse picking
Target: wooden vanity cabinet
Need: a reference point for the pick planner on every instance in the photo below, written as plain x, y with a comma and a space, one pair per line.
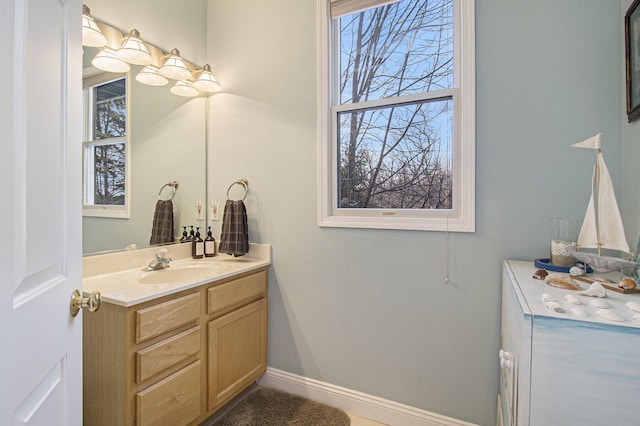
177, 359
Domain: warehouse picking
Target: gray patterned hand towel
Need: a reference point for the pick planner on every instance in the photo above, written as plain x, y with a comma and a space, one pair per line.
234, 239
162, 230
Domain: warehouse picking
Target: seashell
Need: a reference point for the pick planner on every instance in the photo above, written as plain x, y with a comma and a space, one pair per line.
636, 317
633, 305
540, 274
627, 283
562, 281
576, 271
570, 298
579, 312
600, 304
547, 298
554, 306
595, 290
610, 315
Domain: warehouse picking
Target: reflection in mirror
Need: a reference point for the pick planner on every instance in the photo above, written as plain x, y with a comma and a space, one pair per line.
166, 143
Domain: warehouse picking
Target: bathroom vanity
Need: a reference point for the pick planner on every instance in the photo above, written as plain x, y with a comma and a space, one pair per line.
561, 368
177, 357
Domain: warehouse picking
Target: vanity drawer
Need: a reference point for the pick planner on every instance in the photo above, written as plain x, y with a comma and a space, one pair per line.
234, 292
167, 353
172, 401
158, 319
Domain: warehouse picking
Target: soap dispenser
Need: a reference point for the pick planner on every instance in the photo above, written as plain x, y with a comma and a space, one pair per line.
197, 246
192, 235
209, 245
185, 236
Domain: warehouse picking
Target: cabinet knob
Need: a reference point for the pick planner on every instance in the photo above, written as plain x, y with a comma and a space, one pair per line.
78, 302
505, 358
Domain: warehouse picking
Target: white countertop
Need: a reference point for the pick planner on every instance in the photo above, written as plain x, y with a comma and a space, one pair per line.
123, 287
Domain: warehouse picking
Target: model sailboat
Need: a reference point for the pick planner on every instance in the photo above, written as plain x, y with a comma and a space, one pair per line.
602, 226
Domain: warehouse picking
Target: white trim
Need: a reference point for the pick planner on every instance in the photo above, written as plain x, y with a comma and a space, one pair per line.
396, 100
462, 217
344, 7
354, 402
324, 123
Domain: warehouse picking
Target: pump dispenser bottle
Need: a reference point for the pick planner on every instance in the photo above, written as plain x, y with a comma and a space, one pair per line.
185, 236
197, 246
209, 245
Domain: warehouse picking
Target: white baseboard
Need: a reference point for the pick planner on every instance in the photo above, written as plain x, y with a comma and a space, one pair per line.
354, 402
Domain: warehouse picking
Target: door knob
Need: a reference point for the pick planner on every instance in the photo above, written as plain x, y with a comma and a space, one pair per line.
78, 302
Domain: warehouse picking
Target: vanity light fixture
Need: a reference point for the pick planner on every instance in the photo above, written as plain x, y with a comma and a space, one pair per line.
133, 50
91, 34
151, 76
174, 67
184, 88
119, 51
107, 60
206, 82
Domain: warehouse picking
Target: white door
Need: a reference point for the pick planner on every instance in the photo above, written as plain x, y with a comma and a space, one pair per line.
40, 229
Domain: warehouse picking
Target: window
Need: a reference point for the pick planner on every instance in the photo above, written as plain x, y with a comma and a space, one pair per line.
396, 122
105, 150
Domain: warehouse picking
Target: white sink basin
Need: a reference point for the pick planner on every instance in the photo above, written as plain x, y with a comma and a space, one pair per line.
181, 273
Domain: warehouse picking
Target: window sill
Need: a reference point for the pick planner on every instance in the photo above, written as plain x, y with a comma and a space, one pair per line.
400, 223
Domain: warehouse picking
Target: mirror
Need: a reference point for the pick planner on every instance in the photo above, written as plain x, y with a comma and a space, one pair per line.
167, 143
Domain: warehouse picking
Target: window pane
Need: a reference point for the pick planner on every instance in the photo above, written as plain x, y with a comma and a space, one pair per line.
111, 112
396, 157
398, 49
109, 174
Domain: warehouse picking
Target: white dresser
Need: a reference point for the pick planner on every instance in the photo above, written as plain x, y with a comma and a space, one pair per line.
560, 368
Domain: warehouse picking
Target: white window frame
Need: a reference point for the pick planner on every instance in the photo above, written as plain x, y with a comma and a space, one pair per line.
461, 218
94, 77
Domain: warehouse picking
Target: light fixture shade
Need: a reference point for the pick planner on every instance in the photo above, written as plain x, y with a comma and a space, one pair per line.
184, 88
107, 60
206, 82
150, 76
133, 50
175, 68
91, 34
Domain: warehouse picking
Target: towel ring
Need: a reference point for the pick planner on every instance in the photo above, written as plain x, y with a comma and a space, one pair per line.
244, 182
173, 185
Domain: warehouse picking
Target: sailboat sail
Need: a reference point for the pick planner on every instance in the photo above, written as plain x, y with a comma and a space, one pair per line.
602, 226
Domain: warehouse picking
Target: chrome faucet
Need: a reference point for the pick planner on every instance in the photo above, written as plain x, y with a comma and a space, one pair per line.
160, 262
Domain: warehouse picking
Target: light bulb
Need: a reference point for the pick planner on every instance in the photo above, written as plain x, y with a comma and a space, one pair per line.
174, 67
184, 88
150, 76
133, 50
107, 60
206, 82
91, 34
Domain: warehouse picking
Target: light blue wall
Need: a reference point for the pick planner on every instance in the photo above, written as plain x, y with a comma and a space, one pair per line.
368, 309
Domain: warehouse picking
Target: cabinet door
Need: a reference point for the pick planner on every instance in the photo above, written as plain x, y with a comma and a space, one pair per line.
237, 351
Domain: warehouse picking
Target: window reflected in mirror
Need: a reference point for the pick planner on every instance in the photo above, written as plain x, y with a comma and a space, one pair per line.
105, 148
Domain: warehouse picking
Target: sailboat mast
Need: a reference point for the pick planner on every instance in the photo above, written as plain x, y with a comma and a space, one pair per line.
596, 191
